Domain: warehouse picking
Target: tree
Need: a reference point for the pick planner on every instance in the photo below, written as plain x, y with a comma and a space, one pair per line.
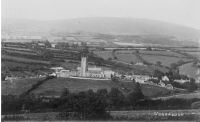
191, 86
88, 105
85, 51
66, 46
47, 44
47, 55
173, 65
149, 49
3, 76
109, 58
158, 63
83, 44
114, 78
135, 95
102, 93
180, 62
158, 74
66, 92
116, 97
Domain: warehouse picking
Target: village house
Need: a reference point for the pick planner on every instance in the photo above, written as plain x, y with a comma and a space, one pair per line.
165, 78
181, 81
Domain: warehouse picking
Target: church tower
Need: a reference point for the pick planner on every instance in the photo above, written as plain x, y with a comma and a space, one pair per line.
84, 66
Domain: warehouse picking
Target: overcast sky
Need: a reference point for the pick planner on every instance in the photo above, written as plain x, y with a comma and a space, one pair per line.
184, 12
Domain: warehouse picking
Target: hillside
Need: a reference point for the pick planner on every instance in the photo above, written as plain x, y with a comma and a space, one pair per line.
113, 26
55, 87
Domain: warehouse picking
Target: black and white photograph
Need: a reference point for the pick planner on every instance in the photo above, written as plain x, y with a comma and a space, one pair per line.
100, 60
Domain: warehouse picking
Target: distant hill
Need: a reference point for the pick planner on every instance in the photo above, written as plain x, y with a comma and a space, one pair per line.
113, 26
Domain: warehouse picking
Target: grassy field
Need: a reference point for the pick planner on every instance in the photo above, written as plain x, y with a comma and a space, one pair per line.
153, 91
69, 65
127, 57
166, 61
21, 52
190, 70
195, 54
18, 49
57, 85
188, 49
24, 60
104, 54
161, 53
12, 64
183, 96
17, 87
162, 69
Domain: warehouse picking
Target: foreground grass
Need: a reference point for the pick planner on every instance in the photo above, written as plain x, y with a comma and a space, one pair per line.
150, 115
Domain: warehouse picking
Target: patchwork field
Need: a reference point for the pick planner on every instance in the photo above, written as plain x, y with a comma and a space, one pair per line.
129, 56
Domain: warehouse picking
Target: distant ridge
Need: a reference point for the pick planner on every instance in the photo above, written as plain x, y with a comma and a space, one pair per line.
105, 25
